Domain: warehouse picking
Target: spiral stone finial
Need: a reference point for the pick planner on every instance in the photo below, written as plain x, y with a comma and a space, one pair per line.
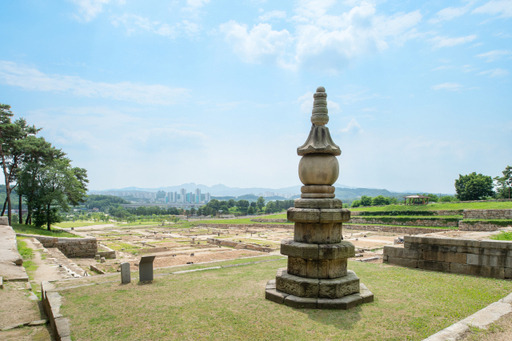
320, 115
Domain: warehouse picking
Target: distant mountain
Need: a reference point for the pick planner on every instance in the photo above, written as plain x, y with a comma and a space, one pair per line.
223, 192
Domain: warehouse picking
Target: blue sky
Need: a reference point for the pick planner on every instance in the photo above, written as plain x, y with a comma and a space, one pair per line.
159, 93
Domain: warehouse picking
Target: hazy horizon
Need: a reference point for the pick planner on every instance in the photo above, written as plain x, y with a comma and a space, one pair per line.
156, 92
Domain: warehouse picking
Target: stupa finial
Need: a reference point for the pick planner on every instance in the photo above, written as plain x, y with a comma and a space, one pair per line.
320, 115
319, 140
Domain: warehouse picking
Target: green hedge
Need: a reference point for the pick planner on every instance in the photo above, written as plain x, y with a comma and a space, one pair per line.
402, 218
397, 213
499, 222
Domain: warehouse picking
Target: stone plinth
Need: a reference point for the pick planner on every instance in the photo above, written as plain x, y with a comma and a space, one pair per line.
317, 274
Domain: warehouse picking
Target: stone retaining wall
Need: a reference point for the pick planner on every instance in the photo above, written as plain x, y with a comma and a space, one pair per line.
478, 226
71, 247
391, 229
411, 222
435, 213
487, 214
247, 226
485, 258
238, 245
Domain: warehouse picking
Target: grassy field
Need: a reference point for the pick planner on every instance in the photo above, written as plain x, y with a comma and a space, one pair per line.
30, 229
228, 303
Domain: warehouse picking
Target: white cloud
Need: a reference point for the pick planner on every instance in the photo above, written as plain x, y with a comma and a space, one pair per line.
89, 9
272, 15
449, 13
495, 73
320, 39
258, 43
449, 42
30, 78
132, 23
352, 127
448, 87
502, 8
495, 55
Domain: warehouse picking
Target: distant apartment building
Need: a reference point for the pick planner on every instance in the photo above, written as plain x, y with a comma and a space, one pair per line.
187, 198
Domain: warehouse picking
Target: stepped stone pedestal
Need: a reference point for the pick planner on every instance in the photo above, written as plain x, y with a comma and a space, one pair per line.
317, 275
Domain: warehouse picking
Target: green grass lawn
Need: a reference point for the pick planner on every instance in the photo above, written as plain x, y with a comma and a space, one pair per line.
30, 229
503, 235
229, 304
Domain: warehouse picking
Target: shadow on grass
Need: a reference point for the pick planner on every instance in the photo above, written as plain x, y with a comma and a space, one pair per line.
339, 319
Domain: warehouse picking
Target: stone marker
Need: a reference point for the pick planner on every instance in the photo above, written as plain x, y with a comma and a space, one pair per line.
125, 273
146, 269
317, 275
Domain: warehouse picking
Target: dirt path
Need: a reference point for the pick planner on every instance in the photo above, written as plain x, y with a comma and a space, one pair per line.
21, 316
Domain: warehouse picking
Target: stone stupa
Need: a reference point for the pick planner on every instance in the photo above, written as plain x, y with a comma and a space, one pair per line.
317, 275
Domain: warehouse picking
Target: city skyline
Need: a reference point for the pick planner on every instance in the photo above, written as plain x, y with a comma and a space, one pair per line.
157, 92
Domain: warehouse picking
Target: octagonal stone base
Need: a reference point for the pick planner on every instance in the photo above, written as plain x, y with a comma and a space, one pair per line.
363, 296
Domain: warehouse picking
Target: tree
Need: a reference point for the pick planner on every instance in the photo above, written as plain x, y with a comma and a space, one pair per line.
473, 186
260, 203
12, 150
366, 201
380, 200
504, 184
53, 187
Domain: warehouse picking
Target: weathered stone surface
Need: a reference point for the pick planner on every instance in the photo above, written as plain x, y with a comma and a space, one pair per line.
339, 287
339, 250
297, 249
318, 203
323, 215
366, 294
347, 302
300, 302
125, 273
318, 233
319, 268
295, 285
342, 249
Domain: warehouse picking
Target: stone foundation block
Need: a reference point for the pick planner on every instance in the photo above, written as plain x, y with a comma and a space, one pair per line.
312, 268
508, 261
300, 302
508, 273
318, 203
434, 266
297, 249
409, 263
318, 215
342, 249
318, 233
345, 303
339, 287
295, 285
366, 294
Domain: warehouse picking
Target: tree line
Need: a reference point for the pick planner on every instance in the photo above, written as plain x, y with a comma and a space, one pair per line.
39, 174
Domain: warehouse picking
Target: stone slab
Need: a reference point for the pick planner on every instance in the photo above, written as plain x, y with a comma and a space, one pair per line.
318, 215
318, 203
339, 250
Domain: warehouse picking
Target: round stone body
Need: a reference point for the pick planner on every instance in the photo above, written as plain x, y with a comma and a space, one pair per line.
318, 169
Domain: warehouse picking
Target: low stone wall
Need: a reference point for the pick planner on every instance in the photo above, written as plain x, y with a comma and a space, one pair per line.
71, 247
406, 222
478, 226
486, 258
391, 229
246, 226
487, 214
434, 213
237, 245
259, 220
